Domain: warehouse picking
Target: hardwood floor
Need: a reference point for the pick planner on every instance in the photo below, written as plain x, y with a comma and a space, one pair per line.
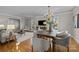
11, 47
26, 46
74, 46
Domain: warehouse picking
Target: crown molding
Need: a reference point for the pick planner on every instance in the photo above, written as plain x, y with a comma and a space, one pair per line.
64, 12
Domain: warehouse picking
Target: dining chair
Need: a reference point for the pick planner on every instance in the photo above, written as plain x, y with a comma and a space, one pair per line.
40, 45
63, 40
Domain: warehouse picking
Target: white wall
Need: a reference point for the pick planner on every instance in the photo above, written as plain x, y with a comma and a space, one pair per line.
76, 30
65, 22
3, 20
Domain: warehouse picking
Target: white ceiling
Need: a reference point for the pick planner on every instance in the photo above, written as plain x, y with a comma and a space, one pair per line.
32, 10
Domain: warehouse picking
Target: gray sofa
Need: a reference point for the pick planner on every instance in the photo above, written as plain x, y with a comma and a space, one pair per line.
3, 35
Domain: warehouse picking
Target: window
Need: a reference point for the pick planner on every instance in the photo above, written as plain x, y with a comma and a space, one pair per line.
2, 26
10, 26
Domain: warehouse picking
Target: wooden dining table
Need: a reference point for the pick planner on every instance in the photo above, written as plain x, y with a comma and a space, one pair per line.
50, 35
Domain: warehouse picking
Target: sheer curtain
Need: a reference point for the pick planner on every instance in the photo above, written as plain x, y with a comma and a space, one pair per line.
14, 23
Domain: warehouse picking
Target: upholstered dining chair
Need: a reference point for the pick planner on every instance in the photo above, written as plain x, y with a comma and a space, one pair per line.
63, 40
40, 45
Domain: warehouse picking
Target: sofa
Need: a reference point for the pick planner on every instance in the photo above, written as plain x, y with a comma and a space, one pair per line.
6, 35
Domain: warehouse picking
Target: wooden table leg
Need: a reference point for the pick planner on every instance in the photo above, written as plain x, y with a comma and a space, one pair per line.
53, 44
50, 45
32, 48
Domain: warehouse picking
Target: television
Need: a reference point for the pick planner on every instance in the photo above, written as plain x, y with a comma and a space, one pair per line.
42, 22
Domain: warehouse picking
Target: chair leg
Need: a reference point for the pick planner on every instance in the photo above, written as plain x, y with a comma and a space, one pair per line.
67, 49
32, 48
